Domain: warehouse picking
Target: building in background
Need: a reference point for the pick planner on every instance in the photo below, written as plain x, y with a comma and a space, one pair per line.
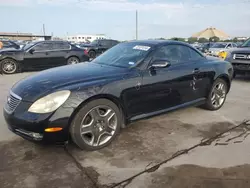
211, 32
85, 38
23, 36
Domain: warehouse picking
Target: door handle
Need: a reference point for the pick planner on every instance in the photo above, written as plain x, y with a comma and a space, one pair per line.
196, 70
46, 53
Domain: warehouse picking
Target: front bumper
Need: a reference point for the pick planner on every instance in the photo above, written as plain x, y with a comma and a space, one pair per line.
241, 65
32, 126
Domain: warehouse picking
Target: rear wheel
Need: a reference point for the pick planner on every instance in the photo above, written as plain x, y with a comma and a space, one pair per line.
9, 66
72, 61
92, 54
96, 124
217, 95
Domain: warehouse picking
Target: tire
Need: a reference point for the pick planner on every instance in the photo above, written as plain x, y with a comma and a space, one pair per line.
84, 136
210, 104
92, 54
9, 66
234, 75
73, 60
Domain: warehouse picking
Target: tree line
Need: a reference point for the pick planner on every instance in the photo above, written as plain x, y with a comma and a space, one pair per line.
203, 40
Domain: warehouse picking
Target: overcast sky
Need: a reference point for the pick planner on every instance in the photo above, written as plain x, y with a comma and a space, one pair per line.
116, 18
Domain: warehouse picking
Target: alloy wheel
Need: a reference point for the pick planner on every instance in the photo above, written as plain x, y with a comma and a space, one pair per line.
9, 66
218, 95
73, 61
98, 125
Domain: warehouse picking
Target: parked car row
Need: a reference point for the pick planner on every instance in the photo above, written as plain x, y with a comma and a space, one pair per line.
40, 55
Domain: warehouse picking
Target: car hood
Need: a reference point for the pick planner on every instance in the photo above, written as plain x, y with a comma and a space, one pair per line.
48, 81
10, 50
216, 49
240, 50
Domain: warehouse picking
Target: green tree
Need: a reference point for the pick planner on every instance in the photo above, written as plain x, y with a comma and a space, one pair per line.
192, 40
202, 40
214, 39
235, 39
178, 39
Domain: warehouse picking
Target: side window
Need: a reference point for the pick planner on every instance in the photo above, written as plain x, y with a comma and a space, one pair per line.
194, 55
61, 46
105, 43
174, 53
43, 47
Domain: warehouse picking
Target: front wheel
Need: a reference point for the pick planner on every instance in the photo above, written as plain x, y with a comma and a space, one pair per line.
96, 124
9, 66
217, 95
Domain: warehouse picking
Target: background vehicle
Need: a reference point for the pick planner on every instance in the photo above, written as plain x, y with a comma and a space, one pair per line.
9, 44
240, 58
98, 46
131, 81
204, 47
220, 46
40, 55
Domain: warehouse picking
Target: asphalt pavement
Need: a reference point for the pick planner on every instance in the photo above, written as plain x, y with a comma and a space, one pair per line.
190, 147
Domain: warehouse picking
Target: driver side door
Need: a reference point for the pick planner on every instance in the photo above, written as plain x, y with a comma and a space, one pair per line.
37, 57
171, 86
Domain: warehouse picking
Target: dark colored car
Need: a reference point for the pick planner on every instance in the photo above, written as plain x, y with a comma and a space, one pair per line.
40, 55
240, 58
9, 44
204, 47
98, 46
133, 80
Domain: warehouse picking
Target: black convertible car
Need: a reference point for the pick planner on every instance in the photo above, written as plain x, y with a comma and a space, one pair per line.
40, 55
133, 80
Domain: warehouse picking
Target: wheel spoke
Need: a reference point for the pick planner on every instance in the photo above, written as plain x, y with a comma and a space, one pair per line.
96, 139
95, 114
86, 130
109, 114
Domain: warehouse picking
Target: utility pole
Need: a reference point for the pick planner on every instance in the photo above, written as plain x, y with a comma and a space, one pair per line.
136, 25
44, 30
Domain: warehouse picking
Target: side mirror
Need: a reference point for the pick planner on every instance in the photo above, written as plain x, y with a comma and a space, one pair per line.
160, 64
31, 51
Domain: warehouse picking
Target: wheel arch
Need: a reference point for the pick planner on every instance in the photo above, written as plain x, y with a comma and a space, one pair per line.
225, 77
112, 98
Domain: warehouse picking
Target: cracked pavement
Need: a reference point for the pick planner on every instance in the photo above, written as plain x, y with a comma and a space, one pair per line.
148, 153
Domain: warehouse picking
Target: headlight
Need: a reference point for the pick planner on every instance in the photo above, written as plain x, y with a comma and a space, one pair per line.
50, 102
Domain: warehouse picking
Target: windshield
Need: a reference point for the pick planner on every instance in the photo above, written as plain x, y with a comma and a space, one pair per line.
94, 42
123, 55
27, 46
219, 45
246, 43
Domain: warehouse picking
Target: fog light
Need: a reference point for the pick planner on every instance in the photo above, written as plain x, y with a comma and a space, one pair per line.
53, 129
37, 135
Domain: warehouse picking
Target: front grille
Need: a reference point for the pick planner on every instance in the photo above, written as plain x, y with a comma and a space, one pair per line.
240, 66
242, 56
13, 101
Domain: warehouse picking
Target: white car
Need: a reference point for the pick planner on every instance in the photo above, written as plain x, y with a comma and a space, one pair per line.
218, 47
